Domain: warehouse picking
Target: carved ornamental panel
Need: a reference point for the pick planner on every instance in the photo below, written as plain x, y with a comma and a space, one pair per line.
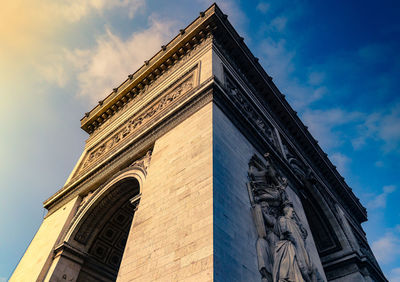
140, 121
241, 101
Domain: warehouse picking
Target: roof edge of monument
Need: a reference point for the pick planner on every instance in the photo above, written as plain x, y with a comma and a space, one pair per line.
152, 68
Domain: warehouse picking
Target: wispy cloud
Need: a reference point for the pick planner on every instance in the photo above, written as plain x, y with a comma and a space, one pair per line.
383, 126
379, 201
387, 248
279, 23
76, 10
323, 124
35, 24
341, 161
360, 127
278, 60
263, 7
99, 69
394, 275
104, 66
307, 86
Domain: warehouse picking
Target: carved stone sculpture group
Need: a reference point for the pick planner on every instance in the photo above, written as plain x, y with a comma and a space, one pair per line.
281, 243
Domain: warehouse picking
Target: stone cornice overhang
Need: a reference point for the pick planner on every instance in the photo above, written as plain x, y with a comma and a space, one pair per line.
354, 257
274, 101
151, 70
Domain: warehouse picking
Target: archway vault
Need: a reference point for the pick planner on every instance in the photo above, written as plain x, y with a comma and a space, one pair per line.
93, 246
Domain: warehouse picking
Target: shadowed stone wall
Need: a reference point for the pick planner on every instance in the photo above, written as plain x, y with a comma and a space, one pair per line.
235, 236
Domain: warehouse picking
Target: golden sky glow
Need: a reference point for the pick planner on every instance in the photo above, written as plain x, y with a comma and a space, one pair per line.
25, 26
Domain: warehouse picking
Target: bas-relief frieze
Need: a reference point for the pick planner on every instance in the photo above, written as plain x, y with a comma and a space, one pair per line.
136, 122
249, 111
149, 87
282, 251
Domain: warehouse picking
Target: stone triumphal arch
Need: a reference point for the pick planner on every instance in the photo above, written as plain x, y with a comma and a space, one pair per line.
196, 168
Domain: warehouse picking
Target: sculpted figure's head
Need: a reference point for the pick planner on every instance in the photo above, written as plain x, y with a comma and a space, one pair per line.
288, 209
264, 204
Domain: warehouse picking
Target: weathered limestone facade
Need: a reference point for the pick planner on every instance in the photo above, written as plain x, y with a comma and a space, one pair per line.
197, 169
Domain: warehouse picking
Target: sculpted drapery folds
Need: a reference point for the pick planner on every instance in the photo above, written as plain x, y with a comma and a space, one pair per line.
291, 259
281, 250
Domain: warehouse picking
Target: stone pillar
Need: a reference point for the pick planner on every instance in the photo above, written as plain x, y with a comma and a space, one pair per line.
171, 238
66, 264
38, 257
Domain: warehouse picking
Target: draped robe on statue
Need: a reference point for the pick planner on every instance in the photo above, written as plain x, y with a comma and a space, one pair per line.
291, 257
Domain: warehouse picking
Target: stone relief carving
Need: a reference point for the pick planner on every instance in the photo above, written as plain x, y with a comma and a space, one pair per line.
248, 110
281, 248
299, 168
144, 161
134, 123
194, 49
291, 259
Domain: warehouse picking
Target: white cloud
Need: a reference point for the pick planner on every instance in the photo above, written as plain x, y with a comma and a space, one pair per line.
303, 89
76, 10
316, 77
387, 248
108, 64
263, 7
394, 275
278, 23
384, 126
38, 27
389, 129
278, 61
323, 123
340, 161
99, 69
379, 201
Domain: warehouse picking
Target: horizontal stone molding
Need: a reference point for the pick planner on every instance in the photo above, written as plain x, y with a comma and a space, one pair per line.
144, 118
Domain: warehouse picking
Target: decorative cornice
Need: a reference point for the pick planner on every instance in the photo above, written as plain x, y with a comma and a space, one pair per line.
143, 163
138, 82
126, 104
137, 121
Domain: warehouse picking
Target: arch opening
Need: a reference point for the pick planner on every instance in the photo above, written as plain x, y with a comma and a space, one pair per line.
101, 231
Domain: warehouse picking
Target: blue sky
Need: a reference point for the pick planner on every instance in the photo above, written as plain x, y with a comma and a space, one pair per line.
337, 62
